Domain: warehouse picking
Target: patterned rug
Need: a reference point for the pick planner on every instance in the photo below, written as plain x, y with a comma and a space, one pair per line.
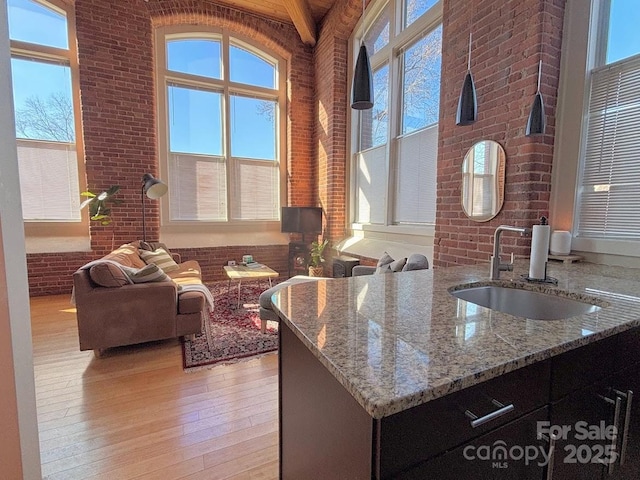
234, 333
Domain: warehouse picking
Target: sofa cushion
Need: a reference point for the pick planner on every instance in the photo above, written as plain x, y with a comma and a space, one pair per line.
148, 273
187, 273
416, 261
108, 275
384, 264
397, 265
126, 255
161, 258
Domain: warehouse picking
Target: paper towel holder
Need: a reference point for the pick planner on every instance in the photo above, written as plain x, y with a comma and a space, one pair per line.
544, 224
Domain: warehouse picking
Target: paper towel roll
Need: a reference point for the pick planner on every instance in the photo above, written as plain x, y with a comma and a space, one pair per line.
560, 243
539, 251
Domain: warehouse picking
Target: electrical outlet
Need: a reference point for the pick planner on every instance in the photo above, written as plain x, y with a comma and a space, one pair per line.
231, 263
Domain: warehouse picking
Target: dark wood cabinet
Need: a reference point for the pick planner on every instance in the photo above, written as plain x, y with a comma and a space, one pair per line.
582, 452
488, 456
627, 385
326, 434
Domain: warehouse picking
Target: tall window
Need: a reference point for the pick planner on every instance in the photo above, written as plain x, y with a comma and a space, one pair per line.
43, 68
396, 142
220, 103
609, 189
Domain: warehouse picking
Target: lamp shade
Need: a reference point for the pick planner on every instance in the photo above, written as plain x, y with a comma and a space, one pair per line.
362, 92
467, 112
537, 122
153, 187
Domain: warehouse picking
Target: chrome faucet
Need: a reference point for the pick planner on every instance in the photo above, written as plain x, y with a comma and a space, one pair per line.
496, 265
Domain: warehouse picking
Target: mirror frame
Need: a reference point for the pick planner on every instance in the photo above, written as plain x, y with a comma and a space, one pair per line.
497, 188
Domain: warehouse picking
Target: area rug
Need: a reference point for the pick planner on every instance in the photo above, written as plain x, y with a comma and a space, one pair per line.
233, 333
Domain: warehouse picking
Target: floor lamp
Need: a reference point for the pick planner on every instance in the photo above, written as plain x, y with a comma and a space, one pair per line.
154, 189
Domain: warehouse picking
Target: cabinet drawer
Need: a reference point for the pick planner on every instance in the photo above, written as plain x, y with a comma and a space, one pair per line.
628, 349
470, 461
582, 367
413, 436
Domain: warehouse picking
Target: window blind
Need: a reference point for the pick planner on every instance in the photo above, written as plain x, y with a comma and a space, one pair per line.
198, 188
49, 181
255, 190
372, 185
416, 177
609, 193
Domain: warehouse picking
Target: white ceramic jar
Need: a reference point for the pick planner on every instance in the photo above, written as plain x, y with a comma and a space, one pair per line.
560, 242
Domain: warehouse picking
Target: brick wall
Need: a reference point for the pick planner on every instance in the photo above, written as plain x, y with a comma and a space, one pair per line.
508, 41
333, 106
116, 58
115, 43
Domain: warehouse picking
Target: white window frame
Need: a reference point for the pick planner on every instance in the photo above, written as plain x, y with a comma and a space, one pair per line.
58, 236
416, 234
583, 49
229, 232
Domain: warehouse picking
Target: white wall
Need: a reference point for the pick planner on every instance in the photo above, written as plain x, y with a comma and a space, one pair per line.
15, 270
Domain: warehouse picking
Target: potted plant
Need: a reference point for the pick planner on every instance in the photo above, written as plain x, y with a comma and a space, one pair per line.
100, 207
316, 259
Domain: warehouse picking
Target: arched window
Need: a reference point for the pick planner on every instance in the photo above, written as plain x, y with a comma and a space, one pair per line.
45, 91
220, 128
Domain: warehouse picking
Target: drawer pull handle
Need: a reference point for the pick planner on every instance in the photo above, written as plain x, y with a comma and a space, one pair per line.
614, 439
625, 431
552, 439
502, 410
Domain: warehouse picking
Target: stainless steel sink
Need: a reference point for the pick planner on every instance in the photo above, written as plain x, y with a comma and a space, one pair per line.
525, 303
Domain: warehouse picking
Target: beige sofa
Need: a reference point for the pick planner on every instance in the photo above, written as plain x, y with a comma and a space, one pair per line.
112, 312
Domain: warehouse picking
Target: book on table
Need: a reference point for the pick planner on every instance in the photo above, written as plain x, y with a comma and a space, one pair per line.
254, 265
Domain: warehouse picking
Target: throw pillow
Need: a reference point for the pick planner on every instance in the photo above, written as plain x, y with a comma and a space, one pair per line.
384, 264
416, 261
126, 255
108, 275
149, 273
161, 258
397, 265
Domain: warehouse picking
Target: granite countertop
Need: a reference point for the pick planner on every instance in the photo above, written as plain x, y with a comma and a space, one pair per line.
395, 341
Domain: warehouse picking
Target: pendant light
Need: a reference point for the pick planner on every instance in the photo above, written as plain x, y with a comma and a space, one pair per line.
467, 104
362, 91
537, 122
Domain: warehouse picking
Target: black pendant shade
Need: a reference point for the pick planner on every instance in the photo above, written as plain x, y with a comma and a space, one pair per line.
537, 120
362, 92
467, 104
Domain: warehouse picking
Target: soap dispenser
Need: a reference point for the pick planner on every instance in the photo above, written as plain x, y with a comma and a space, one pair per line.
539, 251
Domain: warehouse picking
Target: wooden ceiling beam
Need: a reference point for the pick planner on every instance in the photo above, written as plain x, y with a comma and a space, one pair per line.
300, 14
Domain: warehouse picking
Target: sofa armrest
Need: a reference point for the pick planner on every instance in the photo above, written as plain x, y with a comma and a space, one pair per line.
176, 257
109, 317
360, 270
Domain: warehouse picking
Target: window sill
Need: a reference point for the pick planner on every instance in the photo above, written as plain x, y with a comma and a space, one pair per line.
56, 237
398, 240
608, 252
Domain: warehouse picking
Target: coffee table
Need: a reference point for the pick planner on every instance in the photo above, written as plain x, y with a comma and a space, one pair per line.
241, 272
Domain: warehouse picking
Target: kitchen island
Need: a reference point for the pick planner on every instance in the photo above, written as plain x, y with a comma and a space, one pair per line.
381, 376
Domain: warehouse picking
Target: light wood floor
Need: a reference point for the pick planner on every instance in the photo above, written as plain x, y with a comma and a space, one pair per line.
136, 414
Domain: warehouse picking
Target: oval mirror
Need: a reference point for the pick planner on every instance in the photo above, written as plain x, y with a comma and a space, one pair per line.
483, 173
